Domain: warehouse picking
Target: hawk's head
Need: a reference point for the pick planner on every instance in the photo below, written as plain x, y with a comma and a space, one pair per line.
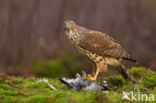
69, 25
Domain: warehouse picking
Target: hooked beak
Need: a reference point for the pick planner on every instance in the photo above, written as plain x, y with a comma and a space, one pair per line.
65, 27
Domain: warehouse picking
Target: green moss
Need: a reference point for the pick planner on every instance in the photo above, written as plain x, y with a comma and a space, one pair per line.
150, 81
116, 81
12, 99
36, 84
30, 90
146, 76
115, 97
58, 84
10, 93
17, 80
76, 97
39, 99
139, 72
4, 86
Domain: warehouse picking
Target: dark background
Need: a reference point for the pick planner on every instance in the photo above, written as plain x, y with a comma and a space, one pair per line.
32, 38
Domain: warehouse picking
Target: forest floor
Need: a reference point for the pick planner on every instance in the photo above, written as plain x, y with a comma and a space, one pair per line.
33, 90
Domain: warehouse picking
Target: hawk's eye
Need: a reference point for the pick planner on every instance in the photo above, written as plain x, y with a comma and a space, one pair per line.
72, 23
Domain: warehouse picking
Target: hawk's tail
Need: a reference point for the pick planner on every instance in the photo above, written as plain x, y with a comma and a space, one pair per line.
125, 73
132, 60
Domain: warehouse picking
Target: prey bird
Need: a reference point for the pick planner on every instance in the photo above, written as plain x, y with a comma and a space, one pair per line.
102, 49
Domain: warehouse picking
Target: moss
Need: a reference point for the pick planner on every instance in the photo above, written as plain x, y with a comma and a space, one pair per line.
116, 81
76, 97
29, 90
35, 84
10, 93
139, 72
115, 97
58, 84
12, 99
150, 81
4, 86
39, 99
146, 76
17, 80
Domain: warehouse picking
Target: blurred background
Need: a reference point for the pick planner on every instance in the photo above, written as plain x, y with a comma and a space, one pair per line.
33, 42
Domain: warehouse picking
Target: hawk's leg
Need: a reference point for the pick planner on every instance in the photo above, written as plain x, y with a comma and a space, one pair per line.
100, 66
89, 77
129, 75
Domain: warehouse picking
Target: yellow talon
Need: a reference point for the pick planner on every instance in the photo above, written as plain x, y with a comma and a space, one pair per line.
154, 88
89, 77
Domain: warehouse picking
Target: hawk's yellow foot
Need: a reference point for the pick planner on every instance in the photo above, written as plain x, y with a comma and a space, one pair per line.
90, 77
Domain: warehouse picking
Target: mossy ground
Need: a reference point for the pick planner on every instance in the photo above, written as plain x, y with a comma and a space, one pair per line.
28, 90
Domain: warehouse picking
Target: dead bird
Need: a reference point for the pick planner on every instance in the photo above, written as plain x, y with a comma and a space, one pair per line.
80, 84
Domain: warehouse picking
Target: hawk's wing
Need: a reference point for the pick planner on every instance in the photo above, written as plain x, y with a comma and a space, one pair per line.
102, 44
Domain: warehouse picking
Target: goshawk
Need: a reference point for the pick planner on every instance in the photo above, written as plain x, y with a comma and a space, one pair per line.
99, 47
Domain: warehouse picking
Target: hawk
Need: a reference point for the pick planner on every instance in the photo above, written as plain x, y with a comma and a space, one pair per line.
98, 47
